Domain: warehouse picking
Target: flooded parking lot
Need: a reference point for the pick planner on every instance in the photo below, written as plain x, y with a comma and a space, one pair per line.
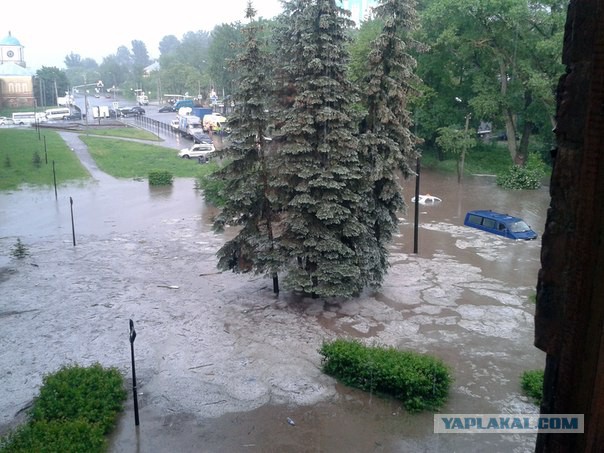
222, 363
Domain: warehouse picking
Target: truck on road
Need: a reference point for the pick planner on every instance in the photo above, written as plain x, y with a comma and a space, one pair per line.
141, 97
188, 125
184, 103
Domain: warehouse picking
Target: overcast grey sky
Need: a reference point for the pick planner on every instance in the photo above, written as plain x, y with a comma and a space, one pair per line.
50, 30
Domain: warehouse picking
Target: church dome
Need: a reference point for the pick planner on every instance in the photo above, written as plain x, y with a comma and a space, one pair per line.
10, 40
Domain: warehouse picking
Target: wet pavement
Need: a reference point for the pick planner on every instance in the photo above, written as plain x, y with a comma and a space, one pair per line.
222, 362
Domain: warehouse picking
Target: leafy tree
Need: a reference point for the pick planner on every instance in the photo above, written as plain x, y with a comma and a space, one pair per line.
226, 39
73, 60
124, 57
387, 142
50, 82
457, 142
319, 178
180, 78
168, 45
113, 72
140, 60
249, 202
80, 70
360, 48
502, 56
193, 49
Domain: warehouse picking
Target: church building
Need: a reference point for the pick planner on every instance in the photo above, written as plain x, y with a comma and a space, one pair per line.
16, 81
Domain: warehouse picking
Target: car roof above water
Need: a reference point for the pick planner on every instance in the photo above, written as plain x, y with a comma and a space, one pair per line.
505, 218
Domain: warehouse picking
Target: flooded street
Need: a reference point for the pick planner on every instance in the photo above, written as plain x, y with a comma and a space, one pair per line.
221, 362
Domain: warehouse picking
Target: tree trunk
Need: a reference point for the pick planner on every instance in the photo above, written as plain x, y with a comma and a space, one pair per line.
267, 208
508, 116
569, 320
523, 149
522, 154
462, 162
510, 129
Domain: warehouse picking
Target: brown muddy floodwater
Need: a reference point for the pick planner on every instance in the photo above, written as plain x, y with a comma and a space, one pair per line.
221, 362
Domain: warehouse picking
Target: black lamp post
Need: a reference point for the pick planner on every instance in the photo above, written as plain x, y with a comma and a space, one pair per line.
134, 390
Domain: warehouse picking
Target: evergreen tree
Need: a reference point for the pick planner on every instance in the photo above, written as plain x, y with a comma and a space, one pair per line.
386, 138
319, 180
248, 199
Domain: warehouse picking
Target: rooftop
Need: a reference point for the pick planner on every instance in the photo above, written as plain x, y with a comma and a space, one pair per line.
10, 40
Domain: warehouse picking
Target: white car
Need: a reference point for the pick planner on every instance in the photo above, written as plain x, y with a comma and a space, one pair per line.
203, 151
427, 199
4, 120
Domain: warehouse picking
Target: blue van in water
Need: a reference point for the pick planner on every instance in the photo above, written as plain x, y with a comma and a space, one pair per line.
500, 224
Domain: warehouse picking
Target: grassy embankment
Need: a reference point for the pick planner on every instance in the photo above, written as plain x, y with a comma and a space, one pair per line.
24, 160
130, 159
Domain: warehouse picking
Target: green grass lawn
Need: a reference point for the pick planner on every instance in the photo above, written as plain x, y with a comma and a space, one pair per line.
131, 159
18, 151
117, 157
126, 159
125, 132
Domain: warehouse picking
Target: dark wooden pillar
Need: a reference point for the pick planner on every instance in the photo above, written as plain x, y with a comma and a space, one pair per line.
569, 321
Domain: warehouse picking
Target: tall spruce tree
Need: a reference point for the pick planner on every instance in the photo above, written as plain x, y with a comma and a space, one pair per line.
389, 146
247, 191
319, 180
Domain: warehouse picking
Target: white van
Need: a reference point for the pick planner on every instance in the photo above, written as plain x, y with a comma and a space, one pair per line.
22, 118
60, 113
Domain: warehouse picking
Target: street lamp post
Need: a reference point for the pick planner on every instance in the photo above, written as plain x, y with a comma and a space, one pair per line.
98, 84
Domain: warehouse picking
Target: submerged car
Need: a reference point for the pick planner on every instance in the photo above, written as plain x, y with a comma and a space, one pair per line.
427, 199
501, 224
200, 150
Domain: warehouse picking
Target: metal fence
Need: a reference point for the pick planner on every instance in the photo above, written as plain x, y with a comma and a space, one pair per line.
157, 127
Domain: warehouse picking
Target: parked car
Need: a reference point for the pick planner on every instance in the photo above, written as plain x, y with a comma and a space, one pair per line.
132, 111
4, 121
167, 109
136, 110
200, 150
199, 136
501, 224
76, 116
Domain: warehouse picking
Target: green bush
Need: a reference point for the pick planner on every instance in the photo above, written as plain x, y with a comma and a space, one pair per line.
532, 385
55, 436
212, 185
160, 178
523, 177
36, 159
420, 381
77, 406
93, 394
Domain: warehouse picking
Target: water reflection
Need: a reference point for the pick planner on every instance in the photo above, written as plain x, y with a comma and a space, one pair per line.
161, 192
112, 207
